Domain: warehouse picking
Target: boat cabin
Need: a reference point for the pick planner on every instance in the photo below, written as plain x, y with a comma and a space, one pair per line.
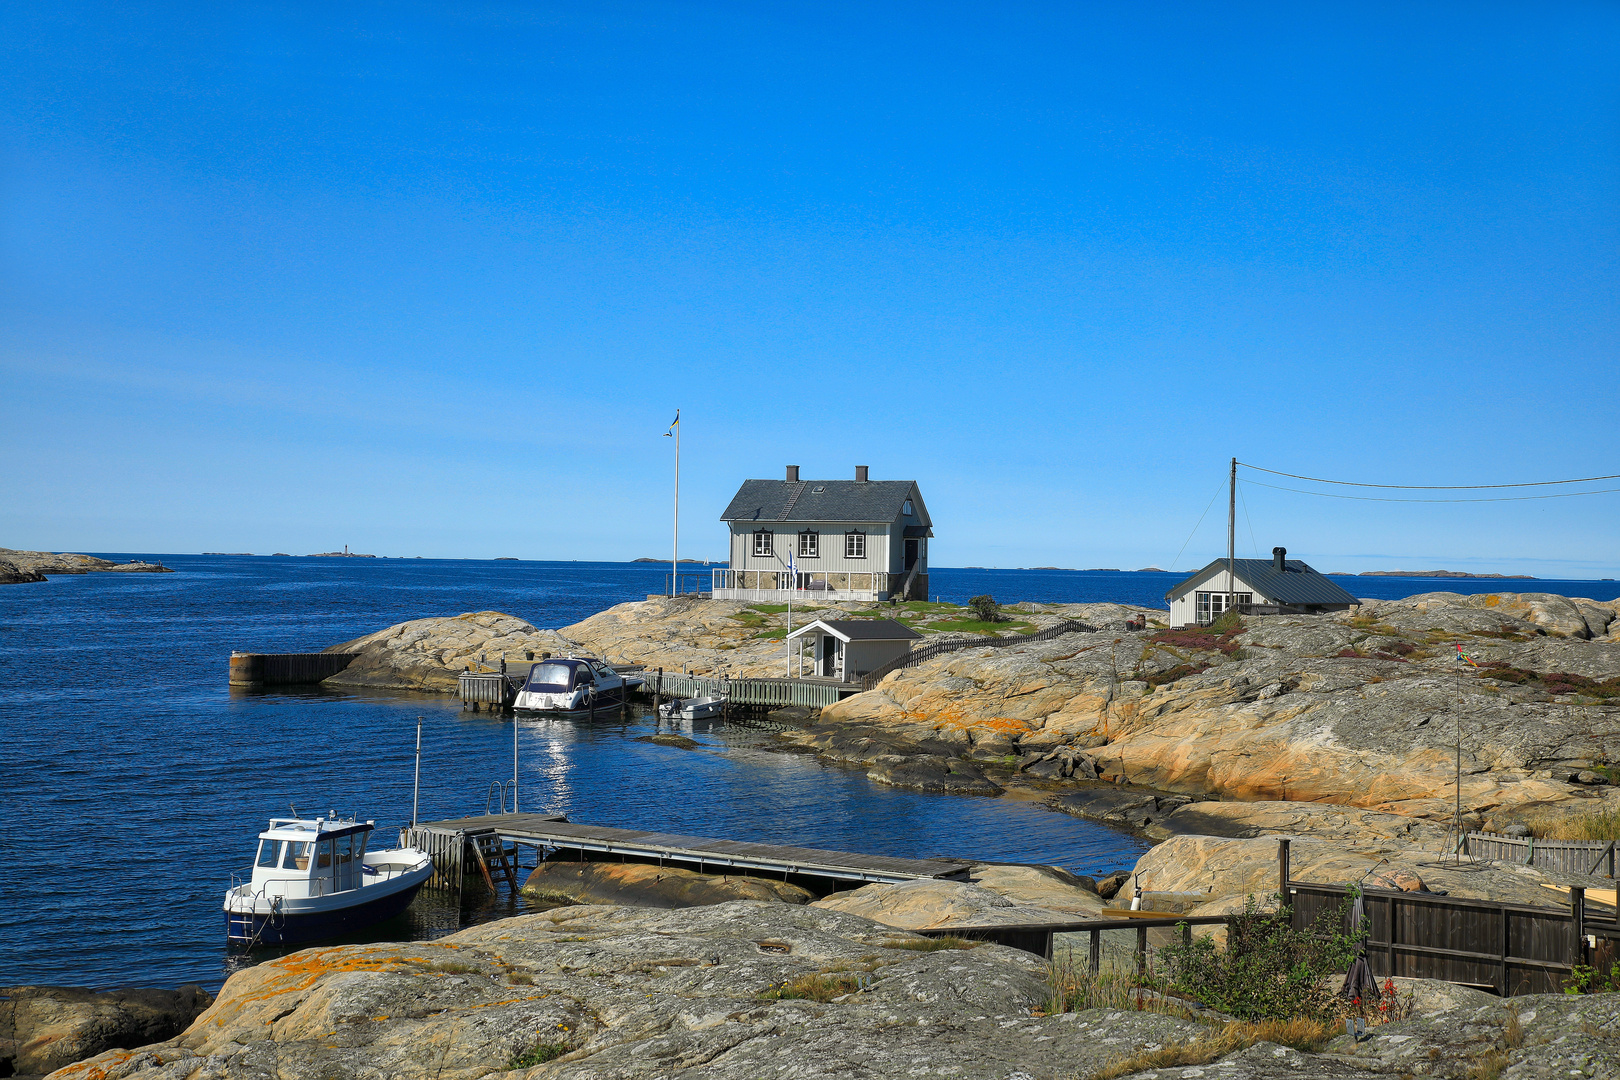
311, 857
554, 676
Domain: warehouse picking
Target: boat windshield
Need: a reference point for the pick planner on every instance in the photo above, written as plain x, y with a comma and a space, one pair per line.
297, 857
551, 677
268, 852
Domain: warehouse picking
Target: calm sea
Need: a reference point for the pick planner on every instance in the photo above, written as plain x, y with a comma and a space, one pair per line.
133, 780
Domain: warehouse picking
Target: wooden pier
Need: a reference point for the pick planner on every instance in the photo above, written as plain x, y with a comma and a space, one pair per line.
459, 844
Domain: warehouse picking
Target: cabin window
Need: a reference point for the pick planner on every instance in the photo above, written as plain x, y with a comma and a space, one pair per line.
1212, 604
549, 678
854, 545
297, 857
269, 851
762, 543
809, 545
323, 854
906, 509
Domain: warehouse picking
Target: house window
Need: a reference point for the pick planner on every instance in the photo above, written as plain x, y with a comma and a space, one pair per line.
854, 545
906, 509
809, 545
762, 543
1212, 604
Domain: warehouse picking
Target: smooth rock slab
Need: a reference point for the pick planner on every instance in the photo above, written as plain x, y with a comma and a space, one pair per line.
641, 994
646, 885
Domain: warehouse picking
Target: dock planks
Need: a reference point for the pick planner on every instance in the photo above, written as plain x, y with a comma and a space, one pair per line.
551, 831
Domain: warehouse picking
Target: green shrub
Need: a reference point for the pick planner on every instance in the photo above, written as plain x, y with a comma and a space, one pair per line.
1268, 970
985, 609
538, 1053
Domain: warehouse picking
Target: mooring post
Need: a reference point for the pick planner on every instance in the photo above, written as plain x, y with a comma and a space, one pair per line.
1096, 951
657, 690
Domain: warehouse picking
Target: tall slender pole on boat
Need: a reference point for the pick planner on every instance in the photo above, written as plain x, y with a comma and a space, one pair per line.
416, 784
675, 546
514, 762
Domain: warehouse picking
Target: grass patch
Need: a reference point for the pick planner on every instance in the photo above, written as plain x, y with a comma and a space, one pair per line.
772, 635
975, 626
823, 987
450, 967
538, 1053
1165, 678
1596, 825
937, 944
1216, 637
1301, 1033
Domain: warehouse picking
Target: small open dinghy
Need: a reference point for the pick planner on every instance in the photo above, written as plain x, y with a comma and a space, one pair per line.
314, 879
692, 708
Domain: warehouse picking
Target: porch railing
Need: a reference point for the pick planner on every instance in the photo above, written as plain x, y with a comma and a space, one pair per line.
803, 588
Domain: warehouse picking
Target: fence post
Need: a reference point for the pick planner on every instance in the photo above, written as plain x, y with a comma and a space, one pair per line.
1141, 949
1577, 915
1282, 869
1096, 951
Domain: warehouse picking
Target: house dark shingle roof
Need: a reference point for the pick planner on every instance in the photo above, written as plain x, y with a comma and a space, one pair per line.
1297, 584
865, 629
819, 500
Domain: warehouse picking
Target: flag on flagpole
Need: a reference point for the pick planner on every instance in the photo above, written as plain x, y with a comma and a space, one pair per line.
673, 423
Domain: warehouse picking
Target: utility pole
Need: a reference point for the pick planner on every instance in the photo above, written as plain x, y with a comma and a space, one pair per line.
1231, 538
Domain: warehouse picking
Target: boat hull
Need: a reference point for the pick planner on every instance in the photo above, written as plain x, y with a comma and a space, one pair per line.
301, 923
613, 699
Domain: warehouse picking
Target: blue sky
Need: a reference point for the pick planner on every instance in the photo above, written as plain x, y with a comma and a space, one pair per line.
432, 279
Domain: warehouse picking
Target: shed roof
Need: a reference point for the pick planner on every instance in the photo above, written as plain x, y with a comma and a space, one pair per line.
1297, 583
823, 500
861, 629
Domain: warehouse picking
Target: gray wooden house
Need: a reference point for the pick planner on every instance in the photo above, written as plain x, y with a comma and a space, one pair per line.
1254, 586
859, 539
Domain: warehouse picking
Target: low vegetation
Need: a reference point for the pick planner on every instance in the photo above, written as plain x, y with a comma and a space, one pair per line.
827, 984
546, 1048
1216, 637
1302, 1033
1552, 682
1596, 825
938, 944
985, 609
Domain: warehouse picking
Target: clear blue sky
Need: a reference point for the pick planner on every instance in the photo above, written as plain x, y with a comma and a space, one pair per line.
433, 279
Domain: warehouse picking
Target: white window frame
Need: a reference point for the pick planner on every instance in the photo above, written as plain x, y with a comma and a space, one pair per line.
809, 544
908, 510
762, 542
1209, 605
854, 545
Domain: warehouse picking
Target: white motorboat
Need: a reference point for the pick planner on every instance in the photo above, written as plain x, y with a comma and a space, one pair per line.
575, 685
693, 708
313, 878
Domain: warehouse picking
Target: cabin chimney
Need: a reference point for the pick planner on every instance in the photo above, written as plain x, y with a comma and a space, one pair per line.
860, 474
1279, 559
793, 474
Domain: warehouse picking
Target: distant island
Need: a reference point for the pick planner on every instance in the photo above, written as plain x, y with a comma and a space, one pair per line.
344, 554
1151, 570
506, 558
700, 562
1433, 574
227, 553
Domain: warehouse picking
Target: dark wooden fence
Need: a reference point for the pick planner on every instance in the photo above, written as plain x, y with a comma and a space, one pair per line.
940, 648
1566, 856
272, 669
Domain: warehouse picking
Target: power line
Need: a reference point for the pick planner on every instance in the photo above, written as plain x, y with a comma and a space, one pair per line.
1374, 498
1431, 487
1201, 517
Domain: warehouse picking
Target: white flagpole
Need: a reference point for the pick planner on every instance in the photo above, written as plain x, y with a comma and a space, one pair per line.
675, 545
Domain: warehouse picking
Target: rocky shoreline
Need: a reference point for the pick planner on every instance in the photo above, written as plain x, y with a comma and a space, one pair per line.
19, 567
1339, 728
756, 989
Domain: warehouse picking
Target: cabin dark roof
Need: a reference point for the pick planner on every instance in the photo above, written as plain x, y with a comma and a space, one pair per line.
820, 500
1296, 584
865, 629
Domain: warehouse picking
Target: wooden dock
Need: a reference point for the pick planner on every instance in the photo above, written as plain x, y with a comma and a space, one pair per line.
451, 843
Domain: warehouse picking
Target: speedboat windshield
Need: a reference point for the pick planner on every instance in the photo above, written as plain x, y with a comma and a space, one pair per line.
550, 677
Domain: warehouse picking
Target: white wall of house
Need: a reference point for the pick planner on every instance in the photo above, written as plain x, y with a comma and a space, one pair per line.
1184, 608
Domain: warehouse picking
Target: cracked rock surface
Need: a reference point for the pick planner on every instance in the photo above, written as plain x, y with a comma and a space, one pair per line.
635, 993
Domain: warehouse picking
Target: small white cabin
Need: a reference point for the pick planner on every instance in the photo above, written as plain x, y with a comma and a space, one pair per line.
1254, 586
846, 649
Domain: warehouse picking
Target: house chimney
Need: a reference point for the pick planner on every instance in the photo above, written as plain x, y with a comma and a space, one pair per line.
793, 474
860, 474
1279, 559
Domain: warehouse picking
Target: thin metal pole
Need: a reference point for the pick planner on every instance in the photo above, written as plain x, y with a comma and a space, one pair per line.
1231, 538
416, 784
514, 763
675, 547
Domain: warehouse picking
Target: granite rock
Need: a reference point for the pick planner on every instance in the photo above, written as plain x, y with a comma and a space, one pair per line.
43, 1028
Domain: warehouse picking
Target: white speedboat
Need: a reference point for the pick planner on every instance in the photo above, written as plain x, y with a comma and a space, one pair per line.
314, 878
693, 708
576, 685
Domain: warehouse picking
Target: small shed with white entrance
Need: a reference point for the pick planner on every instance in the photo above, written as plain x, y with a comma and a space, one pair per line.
846, 649
1254, 586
